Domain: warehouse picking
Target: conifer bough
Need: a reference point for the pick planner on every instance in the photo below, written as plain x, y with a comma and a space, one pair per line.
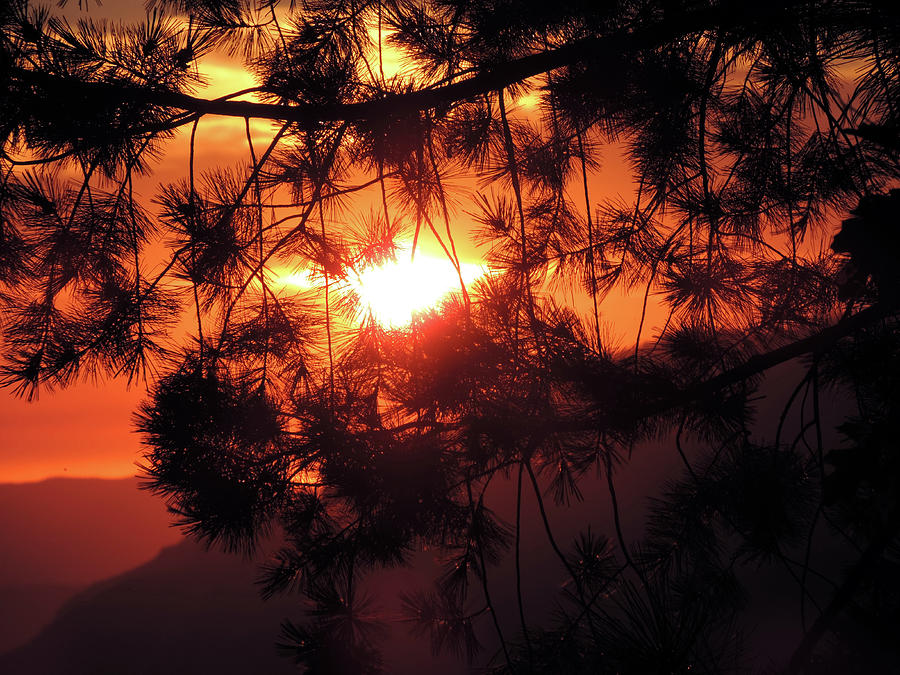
755, 135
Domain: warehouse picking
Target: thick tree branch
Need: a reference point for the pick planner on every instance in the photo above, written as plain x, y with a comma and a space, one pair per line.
817, 343
490, 78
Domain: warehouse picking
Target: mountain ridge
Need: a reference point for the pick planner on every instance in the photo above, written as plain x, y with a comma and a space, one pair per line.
198, 609
62, 534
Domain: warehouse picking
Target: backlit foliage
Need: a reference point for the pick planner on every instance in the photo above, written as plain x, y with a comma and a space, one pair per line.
751, 129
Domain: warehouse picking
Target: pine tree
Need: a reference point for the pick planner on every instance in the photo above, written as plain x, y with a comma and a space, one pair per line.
752, 132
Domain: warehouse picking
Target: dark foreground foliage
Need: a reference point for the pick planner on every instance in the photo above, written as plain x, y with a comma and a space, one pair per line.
752, 132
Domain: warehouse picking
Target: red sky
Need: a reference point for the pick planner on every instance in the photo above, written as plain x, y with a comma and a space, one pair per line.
86, 430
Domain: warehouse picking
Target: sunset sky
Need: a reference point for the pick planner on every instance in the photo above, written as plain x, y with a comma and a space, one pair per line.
554, 335
86, 430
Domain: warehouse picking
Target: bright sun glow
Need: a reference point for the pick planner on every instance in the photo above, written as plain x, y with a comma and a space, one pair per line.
396, 290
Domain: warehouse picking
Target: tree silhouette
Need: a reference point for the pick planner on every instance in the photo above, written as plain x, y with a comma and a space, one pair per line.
751, 131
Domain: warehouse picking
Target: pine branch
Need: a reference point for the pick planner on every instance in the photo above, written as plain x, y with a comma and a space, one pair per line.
488, 79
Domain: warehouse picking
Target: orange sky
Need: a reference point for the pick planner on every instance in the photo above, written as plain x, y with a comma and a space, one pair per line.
86, 430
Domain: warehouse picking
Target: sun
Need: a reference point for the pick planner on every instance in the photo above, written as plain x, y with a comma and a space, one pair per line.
395, 291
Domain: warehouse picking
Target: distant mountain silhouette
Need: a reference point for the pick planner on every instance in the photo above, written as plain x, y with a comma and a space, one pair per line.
60, 535
185, 611
179, 610
25, 609
188, 611
75, 531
